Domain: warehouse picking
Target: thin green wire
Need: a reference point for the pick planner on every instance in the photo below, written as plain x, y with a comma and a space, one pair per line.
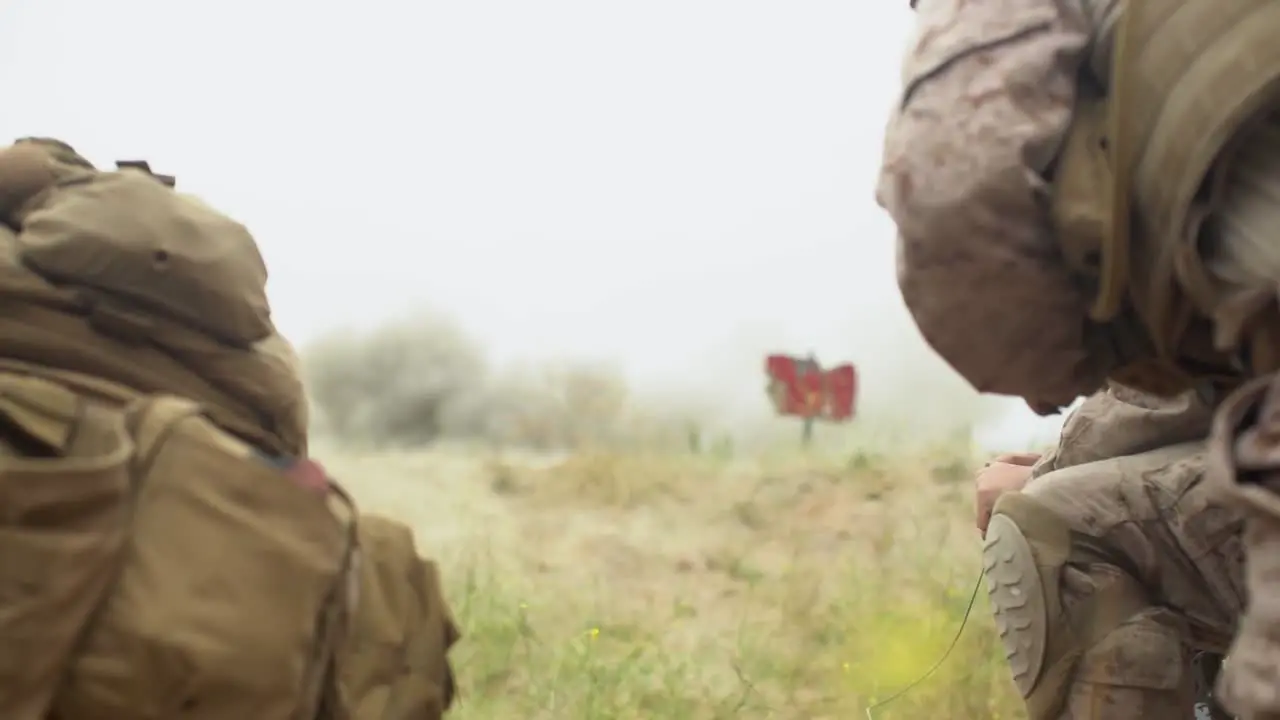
973, 598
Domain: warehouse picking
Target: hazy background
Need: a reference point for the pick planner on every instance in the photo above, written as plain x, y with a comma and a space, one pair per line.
676, 186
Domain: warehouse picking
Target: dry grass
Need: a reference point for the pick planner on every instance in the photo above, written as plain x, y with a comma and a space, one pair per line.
632, 562
616, 585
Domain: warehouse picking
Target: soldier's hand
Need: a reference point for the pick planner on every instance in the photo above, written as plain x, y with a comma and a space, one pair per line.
1007, 473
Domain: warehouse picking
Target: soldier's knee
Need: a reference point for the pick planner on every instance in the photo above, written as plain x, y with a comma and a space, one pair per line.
1027, 551
1139, 670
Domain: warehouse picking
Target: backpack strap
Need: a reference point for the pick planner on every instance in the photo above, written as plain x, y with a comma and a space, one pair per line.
1187, 76
150, 420
45, 412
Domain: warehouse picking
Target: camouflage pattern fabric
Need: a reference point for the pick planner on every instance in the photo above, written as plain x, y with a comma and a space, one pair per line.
1133, 492
989, 91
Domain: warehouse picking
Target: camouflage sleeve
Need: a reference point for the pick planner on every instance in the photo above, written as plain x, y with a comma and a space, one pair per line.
988, 90
1047, 463
1119, 421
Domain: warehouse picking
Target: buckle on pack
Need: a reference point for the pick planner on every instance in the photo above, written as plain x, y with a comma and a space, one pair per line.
145, 167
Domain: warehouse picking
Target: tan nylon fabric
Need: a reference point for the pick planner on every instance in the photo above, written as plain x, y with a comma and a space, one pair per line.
1133, 188
157, 563
77, 249
137, 244
154, 562
396, 666
54, 578
1189, 75
1081, 208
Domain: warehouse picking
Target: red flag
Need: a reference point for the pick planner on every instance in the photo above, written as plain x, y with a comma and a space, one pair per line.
800, 387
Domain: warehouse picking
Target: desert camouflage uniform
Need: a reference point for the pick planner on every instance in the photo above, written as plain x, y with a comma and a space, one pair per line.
989, 88
988, 93
1126, 487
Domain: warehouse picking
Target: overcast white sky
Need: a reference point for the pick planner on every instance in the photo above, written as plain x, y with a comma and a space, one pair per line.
677, 185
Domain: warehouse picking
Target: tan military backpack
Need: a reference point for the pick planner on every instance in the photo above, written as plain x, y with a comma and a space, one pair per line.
394, 664
165, 551
157, 567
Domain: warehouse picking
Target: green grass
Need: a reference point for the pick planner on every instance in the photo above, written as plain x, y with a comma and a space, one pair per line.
815, 638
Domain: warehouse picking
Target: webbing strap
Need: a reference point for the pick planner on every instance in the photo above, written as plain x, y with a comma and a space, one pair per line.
1187, 75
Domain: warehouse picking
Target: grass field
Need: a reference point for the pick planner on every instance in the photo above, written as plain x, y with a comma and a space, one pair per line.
612, 585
